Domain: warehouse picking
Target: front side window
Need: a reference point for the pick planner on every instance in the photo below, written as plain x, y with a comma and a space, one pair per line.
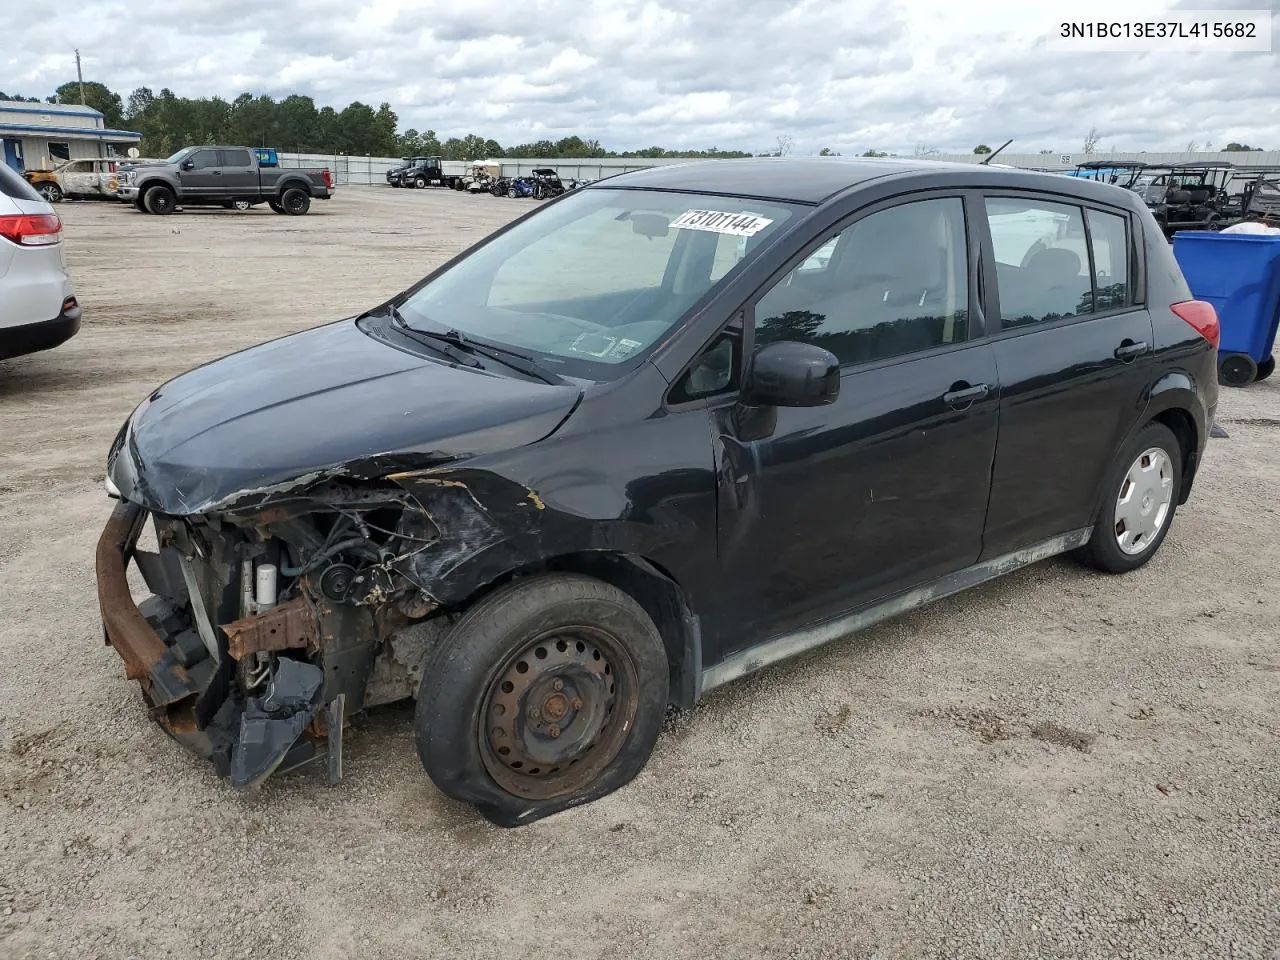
203, 159
598, 278
1042, 260
894, 283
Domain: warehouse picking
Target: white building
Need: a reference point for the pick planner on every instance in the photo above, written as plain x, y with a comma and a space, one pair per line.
39, 136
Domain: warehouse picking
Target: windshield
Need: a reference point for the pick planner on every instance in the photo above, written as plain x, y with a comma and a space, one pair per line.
179, 155
599, 278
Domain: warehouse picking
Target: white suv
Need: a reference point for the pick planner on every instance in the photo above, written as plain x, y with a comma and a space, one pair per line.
38, 308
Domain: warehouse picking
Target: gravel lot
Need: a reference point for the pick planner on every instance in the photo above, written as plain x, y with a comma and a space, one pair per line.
1057, 764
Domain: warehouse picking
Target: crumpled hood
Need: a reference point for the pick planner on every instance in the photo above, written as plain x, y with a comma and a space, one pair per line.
327, 401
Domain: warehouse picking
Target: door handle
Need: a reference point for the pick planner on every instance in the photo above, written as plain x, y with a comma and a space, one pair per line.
216, 173
1129, 350
962, 395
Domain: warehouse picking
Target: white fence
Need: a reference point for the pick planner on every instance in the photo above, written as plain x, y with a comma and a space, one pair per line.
373, 170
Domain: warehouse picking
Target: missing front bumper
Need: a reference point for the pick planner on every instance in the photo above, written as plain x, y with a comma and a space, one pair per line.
193, 694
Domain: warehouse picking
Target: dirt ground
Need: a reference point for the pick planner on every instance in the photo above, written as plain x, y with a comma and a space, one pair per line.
1056, 764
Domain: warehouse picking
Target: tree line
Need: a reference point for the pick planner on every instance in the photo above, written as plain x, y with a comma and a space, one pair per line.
295, 124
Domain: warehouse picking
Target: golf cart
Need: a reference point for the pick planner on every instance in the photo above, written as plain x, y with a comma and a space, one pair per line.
1187, 196
1122, 173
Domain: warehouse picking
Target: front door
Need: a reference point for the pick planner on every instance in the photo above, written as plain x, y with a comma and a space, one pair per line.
1074, 353
204, 178
824, 509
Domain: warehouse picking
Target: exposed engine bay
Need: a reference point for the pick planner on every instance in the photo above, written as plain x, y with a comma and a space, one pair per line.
277, 621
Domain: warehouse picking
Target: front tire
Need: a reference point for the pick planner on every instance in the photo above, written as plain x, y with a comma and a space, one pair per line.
51, 192
295, 202
160, 200
420, 184
548, 693
1141, 499
241, 205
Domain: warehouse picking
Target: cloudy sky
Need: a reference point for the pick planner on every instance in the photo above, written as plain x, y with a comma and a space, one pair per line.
846, 74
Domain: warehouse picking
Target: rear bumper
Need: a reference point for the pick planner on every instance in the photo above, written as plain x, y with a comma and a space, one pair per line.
34, 337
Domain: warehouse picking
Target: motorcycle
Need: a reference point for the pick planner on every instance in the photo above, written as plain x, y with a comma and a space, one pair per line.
520, 187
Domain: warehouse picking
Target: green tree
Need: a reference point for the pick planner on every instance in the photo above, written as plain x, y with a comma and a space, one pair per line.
18, 98
827, 152
97, 96
1234, 147
981, 148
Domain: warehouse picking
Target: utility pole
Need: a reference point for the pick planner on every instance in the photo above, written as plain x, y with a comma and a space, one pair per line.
80, 77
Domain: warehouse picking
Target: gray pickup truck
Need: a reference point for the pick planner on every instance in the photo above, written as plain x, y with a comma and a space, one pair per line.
222, 176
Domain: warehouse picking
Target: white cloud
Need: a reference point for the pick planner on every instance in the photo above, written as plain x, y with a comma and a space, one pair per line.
849, 74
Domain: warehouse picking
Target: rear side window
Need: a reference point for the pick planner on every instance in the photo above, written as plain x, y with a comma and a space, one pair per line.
236, 158
1109, 235
1042, 260
12, 185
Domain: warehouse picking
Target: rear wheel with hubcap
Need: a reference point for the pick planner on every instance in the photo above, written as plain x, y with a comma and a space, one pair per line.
51, 192
1139, 506
548, 693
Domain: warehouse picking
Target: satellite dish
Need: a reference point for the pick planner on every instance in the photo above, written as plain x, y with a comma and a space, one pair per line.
133, 153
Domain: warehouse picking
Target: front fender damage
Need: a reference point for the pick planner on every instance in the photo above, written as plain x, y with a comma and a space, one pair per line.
271, 623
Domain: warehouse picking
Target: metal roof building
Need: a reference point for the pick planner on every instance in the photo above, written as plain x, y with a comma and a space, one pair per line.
39, 136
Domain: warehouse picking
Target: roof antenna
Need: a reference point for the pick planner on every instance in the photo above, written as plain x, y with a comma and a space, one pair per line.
991, 156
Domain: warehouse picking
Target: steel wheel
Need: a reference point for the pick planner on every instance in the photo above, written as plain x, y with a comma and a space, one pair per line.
558, 712
1142, 505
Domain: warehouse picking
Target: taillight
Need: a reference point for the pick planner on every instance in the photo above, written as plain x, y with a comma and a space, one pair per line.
1202, 316
328, 179
31, 229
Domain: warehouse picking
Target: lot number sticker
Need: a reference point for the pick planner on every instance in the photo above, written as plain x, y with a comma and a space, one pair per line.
716, 221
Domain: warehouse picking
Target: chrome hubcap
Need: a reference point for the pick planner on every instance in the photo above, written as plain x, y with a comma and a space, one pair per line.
1142, 506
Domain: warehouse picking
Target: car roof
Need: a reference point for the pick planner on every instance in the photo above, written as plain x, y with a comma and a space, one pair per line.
813, 180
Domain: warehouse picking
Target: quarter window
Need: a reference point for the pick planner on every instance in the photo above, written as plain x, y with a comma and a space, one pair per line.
1110, 239
894, 283
1042, 261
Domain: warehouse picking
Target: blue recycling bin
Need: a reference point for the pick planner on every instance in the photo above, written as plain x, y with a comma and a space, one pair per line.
1239, 273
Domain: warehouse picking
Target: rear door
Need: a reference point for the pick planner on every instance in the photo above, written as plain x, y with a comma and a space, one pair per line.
239, 173
204, 177
822, 509
1073, 346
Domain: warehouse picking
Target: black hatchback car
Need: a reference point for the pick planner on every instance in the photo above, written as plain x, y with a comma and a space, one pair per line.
654, 435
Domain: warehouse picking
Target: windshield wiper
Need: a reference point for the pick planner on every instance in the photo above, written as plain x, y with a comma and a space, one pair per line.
434, 340
511, 358
453, 343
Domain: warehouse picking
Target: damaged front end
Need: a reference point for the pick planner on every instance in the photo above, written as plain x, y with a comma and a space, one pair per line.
268, 625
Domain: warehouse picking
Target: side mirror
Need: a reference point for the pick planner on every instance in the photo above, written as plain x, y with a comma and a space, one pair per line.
188, 164
791, 374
